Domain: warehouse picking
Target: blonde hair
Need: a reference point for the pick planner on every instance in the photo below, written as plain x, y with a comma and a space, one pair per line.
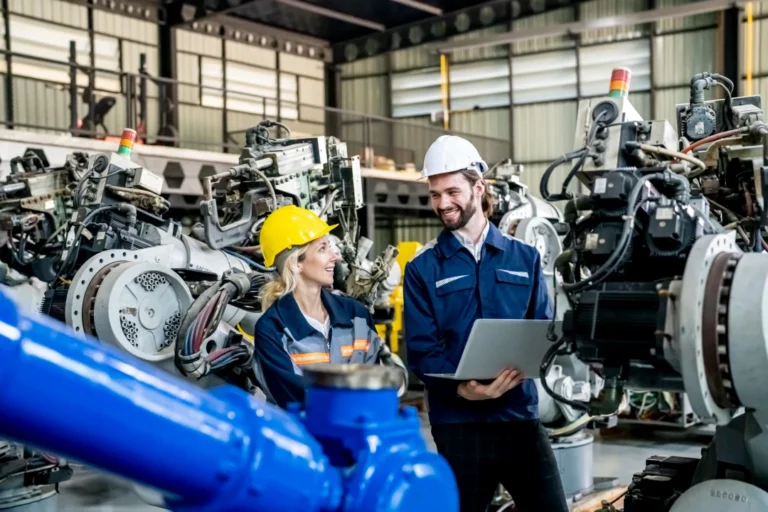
285, 282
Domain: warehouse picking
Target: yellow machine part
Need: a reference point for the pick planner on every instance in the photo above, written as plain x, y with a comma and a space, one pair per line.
407, 251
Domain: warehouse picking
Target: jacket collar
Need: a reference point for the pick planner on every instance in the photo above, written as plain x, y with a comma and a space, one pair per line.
450, 245
293, 318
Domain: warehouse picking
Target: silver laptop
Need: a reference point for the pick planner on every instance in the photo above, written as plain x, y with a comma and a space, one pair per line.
494, 345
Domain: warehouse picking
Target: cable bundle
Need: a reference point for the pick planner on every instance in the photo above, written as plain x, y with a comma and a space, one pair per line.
201, 321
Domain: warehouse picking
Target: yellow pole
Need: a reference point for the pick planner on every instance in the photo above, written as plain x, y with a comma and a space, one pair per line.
444, 88
749, 49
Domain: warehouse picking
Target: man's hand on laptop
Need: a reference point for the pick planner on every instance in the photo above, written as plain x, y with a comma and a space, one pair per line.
473, 390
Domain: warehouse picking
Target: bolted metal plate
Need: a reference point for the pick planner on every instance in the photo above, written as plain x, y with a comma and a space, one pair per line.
748, 330
690, 318
83, 281
541, 234
139, 307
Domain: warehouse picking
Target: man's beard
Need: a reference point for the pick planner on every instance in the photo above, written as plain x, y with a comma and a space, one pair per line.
466, 212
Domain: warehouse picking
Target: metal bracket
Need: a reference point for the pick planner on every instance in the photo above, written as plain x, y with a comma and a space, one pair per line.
218, 237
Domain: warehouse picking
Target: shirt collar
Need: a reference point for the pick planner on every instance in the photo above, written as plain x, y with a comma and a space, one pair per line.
450, 244
294, 320
464, 239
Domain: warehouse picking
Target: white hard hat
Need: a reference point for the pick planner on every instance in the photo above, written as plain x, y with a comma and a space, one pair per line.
450, 153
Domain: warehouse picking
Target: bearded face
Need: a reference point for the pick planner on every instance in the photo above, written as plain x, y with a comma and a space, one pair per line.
454, 199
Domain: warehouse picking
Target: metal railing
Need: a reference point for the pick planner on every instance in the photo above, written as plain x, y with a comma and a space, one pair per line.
86, 101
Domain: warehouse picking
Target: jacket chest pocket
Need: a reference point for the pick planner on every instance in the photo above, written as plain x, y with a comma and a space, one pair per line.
455, 296
513, 293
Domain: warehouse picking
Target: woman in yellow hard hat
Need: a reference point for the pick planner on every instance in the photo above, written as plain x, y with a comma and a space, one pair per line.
304, 322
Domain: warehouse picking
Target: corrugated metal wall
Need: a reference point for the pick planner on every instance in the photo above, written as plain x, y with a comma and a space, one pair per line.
564, 15
47, 104
486, 52
307, 74
597, 9
52, 10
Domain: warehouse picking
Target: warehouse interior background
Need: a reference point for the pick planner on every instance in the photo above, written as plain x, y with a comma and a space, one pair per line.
387, 77
197, 78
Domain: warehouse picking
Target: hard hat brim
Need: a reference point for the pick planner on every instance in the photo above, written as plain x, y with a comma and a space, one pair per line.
309, 240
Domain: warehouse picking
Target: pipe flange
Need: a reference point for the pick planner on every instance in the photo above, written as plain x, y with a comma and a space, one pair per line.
690, 323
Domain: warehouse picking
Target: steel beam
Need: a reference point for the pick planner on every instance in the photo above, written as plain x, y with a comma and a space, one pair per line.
330, 13
563, 29
421, 6
202, 12
439, 28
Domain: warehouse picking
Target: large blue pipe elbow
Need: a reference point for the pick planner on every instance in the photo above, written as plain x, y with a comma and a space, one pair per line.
211, 451
204, 450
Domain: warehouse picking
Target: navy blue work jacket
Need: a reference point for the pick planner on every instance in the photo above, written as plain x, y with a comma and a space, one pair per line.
286, 343
446, 290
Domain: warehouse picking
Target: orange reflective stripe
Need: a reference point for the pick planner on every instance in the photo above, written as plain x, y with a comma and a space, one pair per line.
361, 345
311, 358
347, 350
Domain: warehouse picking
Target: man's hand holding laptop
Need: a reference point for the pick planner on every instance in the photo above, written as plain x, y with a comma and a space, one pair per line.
506, 380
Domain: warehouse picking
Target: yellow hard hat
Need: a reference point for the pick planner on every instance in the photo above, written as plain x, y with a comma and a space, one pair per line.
288, 227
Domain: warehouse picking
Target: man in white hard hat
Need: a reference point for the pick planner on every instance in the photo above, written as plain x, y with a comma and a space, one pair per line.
488, 431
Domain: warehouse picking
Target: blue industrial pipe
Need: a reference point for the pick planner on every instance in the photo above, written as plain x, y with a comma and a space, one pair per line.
352, 449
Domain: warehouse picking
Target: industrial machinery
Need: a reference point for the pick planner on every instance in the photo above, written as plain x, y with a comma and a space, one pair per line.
666, 281
349, 448
125, 273
35, 204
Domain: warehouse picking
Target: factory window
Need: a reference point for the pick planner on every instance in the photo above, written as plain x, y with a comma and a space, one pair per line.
479, 85
472, 85
35, 38
416, 93
544, 77
249, 89
596, 63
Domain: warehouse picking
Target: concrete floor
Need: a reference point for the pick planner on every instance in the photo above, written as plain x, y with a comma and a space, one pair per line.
619, 456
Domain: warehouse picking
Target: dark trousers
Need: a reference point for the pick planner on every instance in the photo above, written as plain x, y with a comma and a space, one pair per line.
515, 454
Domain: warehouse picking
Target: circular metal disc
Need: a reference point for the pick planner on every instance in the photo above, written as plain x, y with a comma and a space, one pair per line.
139, 307
748, 330
512, 217
83, 281
690, 313
541, 234
721, 495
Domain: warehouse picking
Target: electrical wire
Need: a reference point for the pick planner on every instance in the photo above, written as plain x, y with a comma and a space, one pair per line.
76, 241
673, 154
270, 187
622, 246
546, 364
711, 138
249, 261
581, 154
